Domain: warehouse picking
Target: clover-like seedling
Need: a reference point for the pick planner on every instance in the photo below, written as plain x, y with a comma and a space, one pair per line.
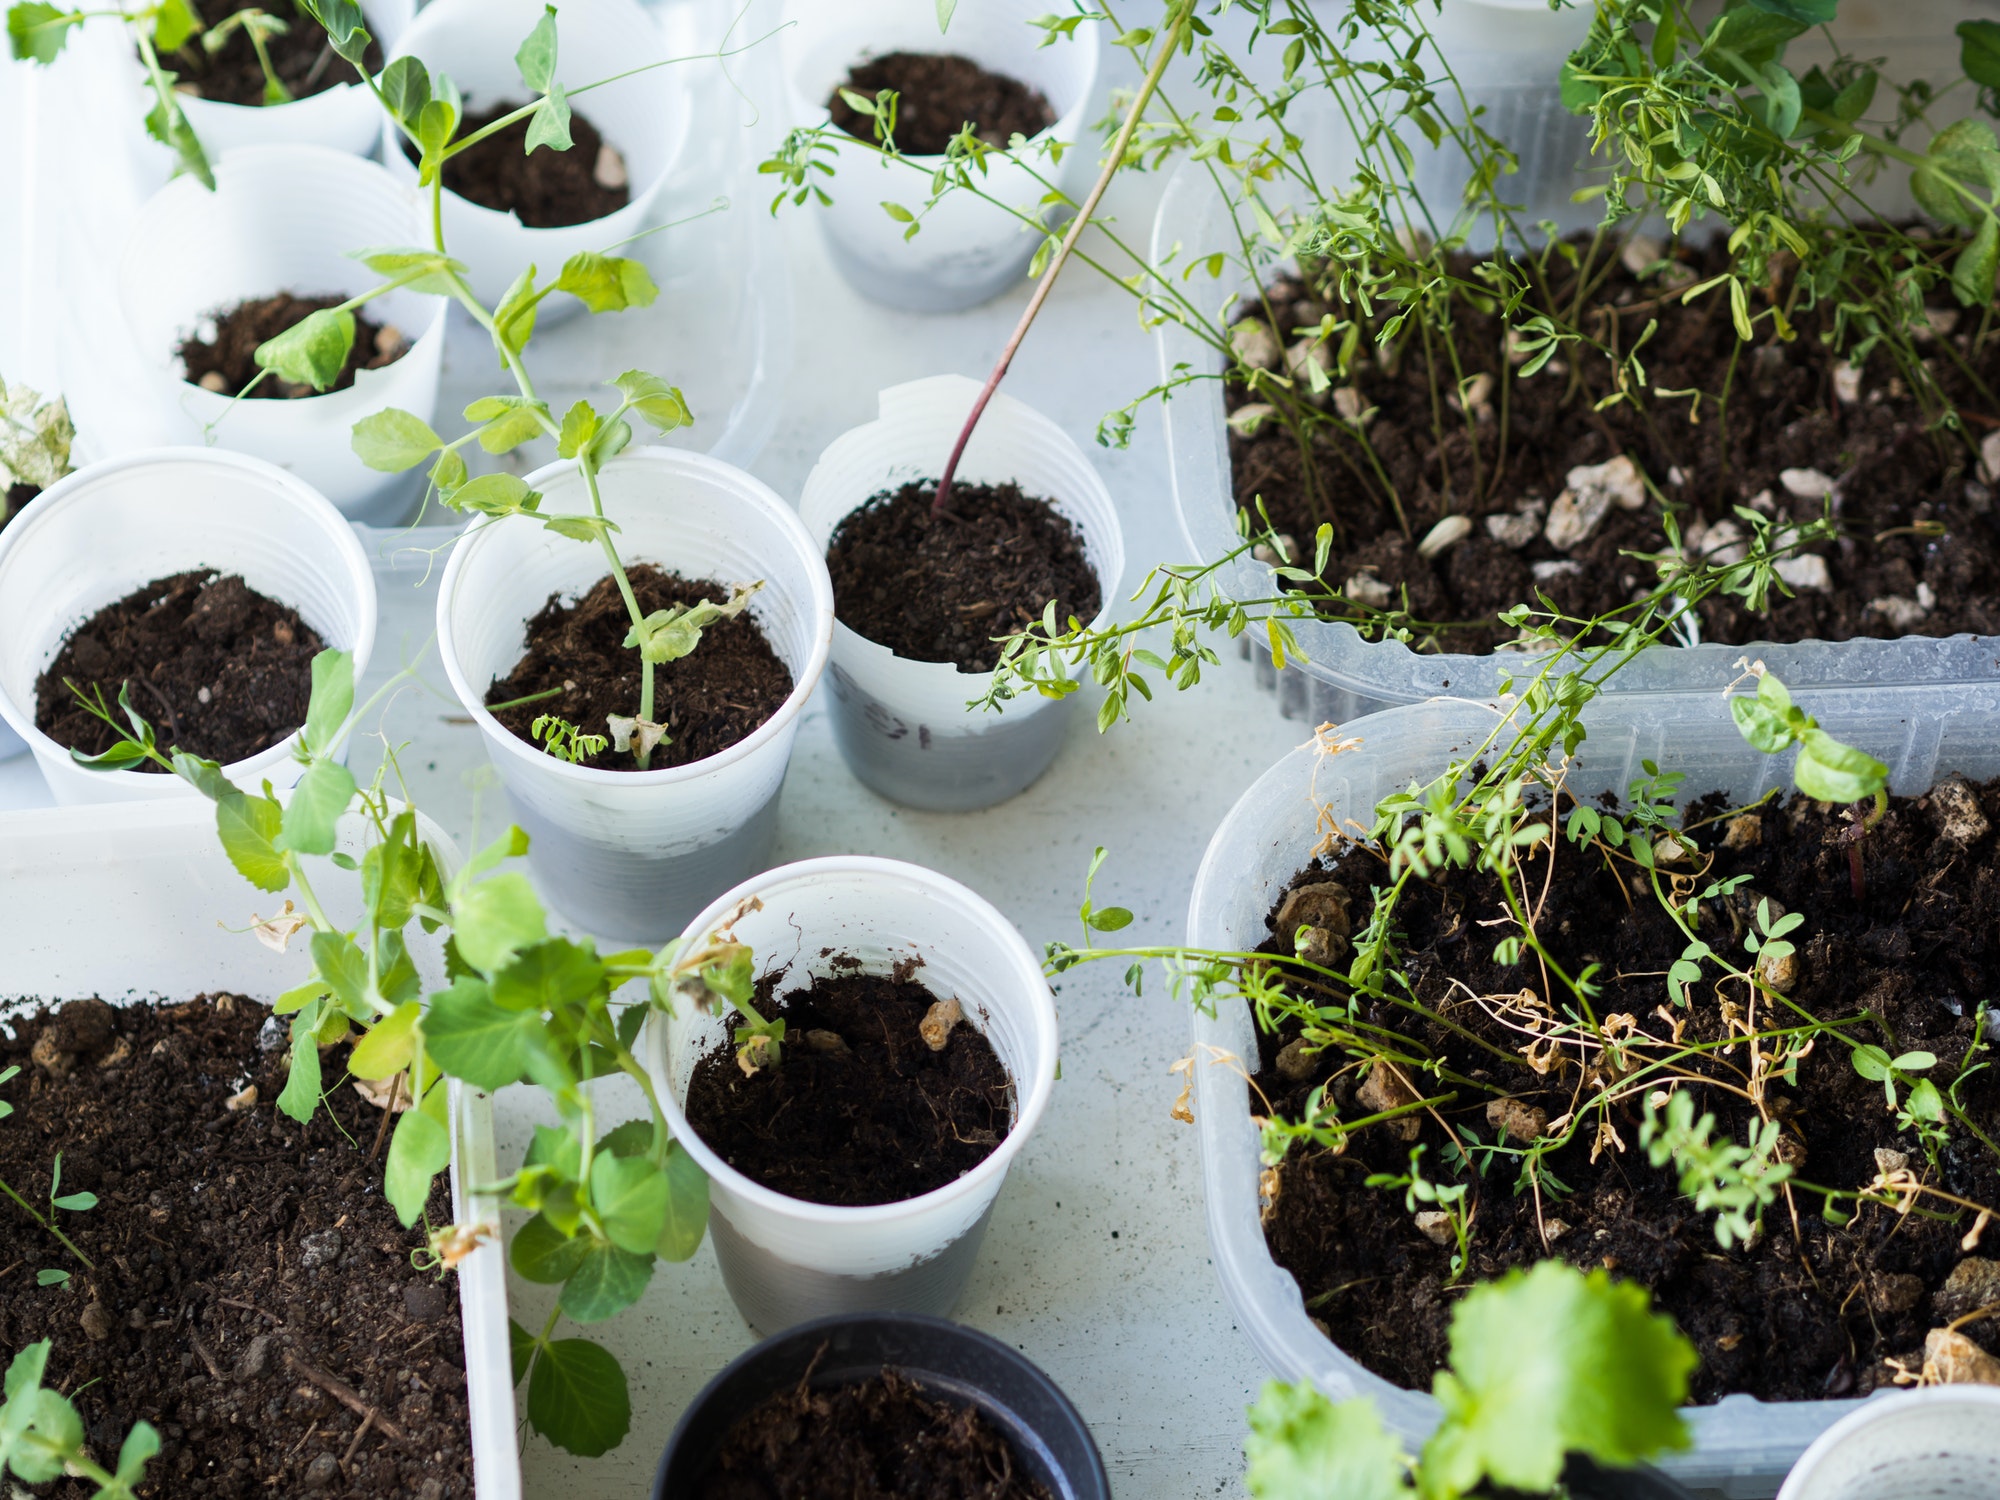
564, 740
1738, 1182
1544, 1363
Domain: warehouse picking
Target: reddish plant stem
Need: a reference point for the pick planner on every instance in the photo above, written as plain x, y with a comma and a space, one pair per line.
1112, 162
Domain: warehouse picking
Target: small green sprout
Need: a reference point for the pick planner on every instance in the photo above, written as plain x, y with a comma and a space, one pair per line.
565, 741
58, 1201
1439, 1198
1740, 1182
42, 1437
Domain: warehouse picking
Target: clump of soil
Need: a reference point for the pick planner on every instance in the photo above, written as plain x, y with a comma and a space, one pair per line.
874, 1437
226, 362
15, 500
718, 694
942, 587
1811, 1310
219, 670
302, 58
1792, 407
547, 189
249, 1276
939, 92
862, 1109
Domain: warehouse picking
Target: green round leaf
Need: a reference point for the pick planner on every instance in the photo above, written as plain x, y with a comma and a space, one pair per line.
577, 1398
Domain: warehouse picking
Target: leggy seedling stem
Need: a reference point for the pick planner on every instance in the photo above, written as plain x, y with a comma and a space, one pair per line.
1169, 44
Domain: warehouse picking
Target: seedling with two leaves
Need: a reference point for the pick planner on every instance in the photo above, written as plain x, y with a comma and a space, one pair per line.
59, 1202
42, 1436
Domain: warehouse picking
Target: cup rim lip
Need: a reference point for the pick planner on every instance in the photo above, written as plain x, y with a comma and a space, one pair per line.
1031, 1103
1877, 1407
287, 486
308, 155
441, 20
747, 489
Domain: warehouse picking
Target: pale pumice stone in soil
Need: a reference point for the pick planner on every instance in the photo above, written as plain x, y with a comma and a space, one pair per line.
1953, 1359
1618, 477
1989, 458
1901, 613
1245, 420
1846, 384
1639, 252
1954, 807
1367, 589
1805, 573
1255, 345
1722, 544
1575, 517
1807, 484
1515, 531
1974, 1283
1448, 533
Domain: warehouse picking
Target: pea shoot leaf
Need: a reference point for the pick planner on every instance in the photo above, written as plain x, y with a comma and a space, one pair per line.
655, 400
342, 20
549, 124
1978, 53
543, 1254
630, 1197
248, 827
37, 31
300, 1096
606, 1282
549, 975
687, 1206
406, 87
390, 1044
312, 815
577, 1398
537, 55
312, 351
418, 1151
1829, 771
332, 698
495, 919
470, 1037
607, 283
390, 441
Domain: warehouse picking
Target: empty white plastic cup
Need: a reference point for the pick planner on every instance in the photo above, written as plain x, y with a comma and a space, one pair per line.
967, 250
1941, 1442
783, 1259
632, 854
903, 726
282, 219
111, 527
646, 119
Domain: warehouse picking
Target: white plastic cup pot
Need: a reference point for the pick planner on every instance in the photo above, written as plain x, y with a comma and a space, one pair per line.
633, 854
903, 726
282, 219
1941, 1442
111, 527
968, 250
783, 1259
346, 117
645, 118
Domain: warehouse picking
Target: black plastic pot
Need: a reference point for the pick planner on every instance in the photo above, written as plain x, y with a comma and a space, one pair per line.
950, 1360
1587, 1481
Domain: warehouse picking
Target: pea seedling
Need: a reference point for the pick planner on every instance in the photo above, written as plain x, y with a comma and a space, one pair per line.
42, 1437
519, 1004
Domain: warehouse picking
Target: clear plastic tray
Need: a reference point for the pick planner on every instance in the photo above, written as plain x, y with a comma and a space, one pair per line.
1742, 1446
158, 865
1344, 675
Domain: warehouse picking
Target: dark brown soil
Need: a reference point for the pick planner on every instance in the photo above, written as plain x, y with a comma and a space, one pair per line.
15, 500
545, 190
235, 1253
939, 93
218, 669
731, 683
1812, 1310
880, 1439
1891, 472
227, 363
941, 588
301, 58
861, 1110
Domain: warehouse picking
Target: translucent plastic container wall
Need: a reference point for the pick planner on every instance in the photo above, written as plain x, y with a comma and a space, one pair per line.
1344, 675
159, 865
1742, 1446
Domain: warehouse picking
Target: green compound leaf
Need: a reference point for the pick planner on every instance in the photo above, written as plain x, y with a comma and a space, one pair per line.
577, 1398
470, 1037
36, 32
687, 1206
249, 828
537, 55
543, 1254
655, 400
630, 1197
1302, 1446
495, 919
418, 1151
549, 124
312, 351
391, 441
549, 975
608, 1281
1548, 1362
607, 283
312, 816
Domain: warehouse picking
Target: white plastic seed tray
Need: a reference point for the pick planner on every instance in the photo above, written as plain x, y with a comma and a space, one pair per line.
125, 901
